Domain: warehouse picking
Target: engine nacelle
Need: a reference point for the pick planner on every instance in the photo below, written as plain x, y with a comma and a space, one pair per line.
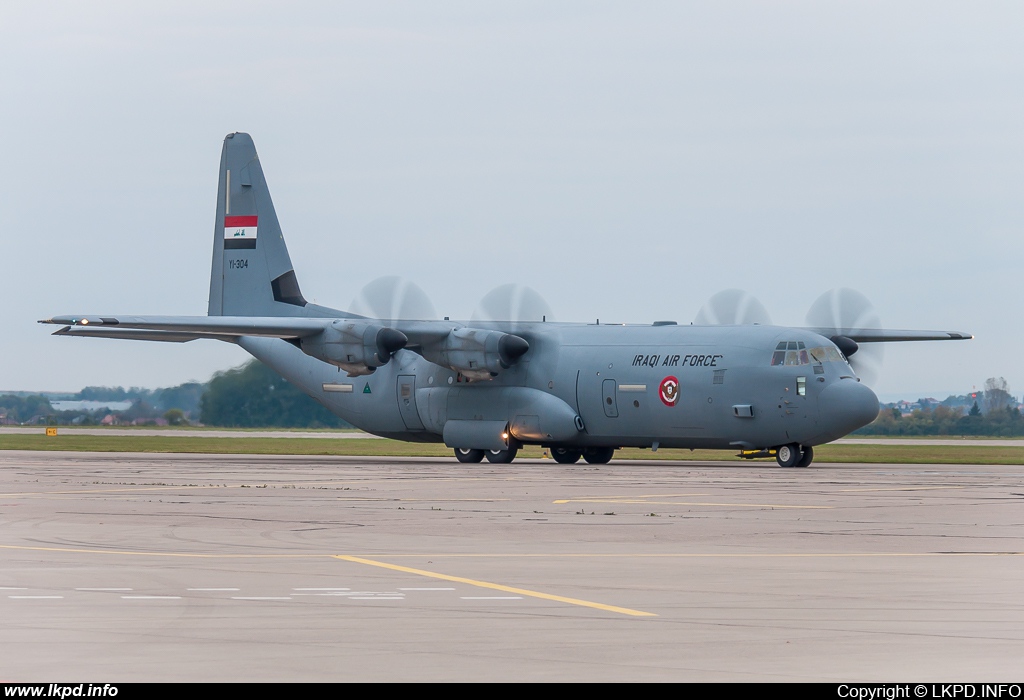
476, 353
848, 346
358, 347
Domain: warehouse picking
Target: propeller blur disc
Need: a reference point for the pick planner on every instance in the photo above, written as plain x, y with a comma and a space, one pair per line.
844, 311
512, 302
733, 307
392, 298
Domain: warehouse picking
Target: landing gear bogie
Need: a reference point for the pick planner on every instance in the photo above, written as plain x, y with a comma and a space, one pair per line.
564, 455
469, 456
502, 456
598, 455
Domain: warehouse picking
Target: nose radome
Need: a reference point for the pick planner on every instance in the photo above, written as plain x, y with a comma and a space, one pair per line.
847, 405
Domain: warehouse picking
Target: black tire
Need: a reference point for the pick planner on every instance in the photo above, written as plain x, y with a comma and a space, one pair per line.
502, 456
469, 456
806, 457
598, 455
565, 456
787, 455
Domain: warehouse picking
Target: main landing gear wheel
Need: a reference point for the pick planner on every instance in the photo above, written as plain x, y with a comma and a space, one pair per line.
806, 457
502, 456
787, 455
598, 455
564, 456
469, 456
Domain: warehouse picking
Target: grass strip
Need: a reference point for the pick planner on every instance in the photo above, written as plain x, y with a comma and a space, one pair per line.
868, 454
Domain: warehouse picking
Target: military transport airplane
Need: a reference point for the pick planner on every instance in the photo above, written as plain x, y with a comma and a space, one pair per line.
487, 388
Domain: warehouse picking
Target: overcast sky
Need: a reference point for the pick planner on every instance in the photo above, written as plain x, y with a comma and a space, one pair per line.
626, 160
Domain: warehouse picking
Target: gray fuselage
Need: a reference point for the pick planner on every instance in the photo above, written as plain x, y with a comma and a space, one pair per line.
608, 386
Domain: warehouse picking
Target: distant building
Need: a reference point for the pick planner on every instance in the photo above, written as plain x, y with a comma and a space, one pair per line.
91, 405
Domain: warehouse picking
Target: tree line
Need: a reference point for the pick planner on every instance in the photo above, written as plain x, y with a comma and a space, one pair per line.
250, 396
944, 420
255, 396
993, 412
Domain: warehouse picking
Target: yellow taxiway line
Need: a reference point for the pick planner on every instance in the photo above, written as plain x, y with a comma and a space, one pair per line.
496, 586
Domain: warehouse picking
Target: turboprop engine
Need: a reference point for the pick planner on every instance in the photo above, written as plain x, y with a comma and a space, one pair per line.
358, 347
476, 353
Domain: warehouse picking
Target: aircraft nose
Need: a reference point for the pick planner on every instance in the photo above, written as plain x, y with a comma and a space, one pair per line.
847, 405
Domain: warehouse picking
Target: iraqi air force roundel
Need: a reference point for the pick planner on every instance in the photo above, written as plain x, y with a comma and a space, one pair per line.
669, 391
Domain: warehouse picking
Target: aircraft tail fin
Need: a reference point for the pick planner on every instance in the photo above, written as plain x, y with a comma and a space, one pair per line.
252, 273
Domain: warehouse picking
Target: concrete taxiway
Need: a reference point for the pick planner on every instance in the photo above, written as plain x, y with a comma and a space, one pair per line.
127, 567
359, 434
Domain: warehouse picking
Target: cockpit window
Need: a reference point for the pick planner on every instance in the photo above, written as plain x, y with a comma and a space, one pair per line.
827, 354
794, 353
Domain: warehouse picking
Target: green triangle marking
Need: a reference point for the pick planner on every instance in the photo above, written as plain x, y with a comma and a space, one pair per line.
366, 389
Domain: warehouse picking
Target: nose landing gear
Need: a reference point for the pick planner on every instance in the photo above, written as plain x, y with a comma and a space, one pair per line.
793, 455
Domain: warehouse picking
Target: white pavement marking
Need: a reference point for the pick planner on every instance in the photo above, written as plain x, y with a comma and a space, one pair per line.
492, 597
321, 589
426, 589
35, 597
151, 597
260, 597
110, 590
376, 597
375, 593
213, 589
12, 588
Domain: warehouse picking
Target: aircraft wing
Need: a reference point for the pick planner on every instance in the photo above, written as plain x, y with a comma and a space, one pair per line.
357, 345
185, 328
880, 335
128, 334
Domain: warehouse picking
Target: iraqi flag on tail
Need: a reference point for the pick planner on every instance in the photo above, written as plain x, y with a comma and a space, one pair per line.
239, 232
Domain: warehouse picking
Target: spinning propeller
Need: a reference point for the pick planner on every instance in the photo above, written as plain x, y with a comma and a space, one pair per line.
512, 302
392, 298
836, 313
847, 310
733, 307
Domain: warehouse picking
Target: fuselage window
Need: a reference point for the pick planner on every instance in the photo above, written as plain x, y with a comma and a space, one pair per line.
801, 386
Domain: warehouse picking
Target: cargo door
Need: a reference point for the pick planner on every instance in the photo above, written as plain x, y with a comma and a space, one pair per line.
609, 398
407, 401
